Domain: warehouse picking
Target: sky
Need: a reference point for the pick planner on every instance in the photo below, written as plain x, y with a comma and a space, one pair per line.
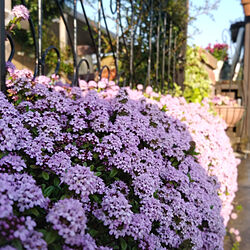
228, 12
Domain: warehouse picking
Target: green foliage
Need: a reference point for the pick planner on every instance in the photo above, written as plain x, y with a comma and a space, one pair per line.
177, 16
197, 83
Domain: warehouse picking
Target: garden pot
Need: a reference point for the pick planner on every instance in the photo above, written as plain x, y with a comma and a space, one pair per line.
231, 115
246, 7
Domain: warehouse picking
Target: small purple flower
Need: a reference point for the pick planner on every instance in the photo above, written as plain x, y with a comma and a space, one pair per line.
68, 218
10, 67
83, 181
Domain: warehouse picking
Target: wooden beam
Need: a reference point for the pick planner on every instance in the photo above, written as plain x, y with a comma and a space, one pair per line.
246, 79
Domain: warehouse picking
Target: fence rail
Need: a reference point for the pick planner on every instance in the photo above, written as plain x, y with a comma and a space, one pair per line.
130, 40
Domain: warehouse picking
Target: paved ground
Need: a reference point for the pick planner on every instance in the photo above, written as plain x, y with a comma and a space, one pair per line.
242, 223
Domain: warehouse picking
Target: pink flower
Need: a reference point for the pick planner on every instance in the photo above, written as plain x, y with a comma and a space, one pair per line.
236, 232
111, 83
140, 87
83, 85
92, 84
55, 77
234, 216
102, 84
149, 90
238, 238
20, 11
43, 80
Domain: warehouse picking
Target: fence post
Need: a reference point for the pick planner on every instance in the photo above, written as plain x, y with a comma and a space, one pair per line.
2, 47
246, 79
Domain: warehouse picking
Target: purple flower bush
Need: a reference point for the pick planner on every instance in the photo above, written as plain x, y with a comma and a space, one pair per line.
207, 130
81, 172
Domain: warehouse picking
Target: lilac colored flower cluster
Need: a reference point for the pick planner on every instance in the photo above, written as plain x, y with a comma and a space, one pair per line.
208, 131
68, 218
21, 12
22, 228
83, 181
114, 172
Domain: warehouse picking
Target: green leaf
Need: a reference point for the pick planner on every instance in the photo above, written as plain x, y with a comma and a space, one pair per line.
190, 178
98, 173
86, 145
34, 130
17, 244
56, 181
113, 173
34, 211
18, 102
175, 163
123, 244
101, 168
156, 196
95, 156
45, 176
239, 207
2, 154
92, 167
50, 236
56, 246
34, 166
63, 197
48, 191
93, 232
96, 198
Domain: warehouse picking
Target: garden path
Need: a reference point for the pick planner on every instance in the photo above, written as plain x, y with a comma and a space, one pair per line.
242, 223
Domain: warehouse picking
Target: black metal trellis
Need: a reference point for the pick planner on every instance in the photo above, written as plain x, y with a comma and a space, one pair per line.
2, 48
122, 46
150, 42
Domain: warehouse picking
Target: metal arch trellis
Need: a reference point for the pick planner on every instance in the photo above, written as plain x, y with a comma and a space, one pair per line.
2, 48
137, 14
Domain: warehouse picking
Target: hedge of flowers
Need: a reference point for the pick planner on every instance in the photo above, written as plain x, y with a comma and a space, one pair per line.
207, 130
81, 172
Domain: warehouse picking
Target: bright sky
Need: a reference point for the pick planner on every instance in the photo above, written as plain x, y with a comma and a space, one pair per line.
229, 12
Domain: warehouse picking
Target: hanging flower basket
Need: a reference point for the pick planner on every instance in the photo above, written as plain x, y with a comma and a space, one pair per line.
246, 7
230, 111
231, 115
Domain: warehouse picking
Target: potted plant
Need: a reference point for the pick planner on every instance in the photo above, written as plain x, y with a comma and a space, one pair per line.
220, 52
228, 108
